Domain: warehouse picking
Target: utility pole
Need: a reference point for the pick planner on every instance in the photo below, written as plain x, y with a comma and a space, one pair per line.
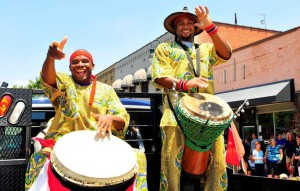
235, 19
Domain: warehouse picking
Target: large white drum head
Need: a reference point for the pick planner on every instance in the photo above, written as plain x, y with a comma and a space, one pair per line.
86, 158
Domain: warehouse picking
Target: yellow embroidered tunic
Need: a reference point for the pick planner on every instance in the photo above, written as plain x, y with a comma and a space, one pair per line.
70, 101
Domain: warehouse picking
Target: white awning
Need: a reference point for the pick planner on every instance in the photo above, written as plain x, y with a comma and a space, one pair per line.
259, 95
127, 81
117, 84
149, 73
139, 76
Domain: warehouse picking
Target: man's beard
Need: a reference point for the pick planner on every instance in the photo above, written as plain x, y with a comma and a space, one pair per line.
190, 38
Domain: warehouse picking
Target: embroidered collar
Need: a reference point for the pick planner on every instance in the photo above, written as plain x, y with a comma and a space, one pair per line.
188, 44
83, 84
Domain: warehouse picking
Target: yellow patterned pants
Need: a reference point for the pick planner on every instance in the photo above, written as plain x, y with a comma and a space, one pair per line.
171, 154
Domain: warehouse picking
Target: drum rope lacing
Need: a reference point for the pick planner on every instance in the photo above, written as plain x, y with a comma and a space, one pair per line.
181, 127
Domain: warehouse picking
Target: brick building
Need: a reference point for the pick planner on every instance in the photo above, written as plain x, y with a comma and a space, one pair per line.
238, 35
267, 73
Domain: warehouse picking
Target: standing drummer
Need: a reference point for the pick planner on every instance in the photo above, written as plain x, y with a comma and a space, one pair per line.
172, 72
81, 103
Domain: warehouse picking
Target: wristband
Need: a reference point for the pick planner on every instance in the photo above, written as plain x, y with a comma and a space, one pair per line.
184, 85
213, 32
211, 29
178, 85
181, 85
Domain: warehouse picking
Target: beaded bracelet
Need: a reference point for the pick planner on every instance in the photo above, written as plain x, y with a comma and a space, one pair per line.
178, 85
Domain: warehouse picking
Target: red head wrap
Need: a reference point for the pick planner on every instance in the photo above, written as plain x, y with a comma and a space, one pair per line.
181, 16
81, 52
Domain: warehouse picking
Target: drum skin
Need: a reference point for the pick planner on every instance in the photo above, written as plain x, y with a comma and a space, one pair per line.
85, 159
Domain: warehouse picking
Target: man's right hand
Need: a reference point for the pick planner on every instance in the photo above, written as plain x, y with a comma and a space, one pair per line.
197, 82
56, 50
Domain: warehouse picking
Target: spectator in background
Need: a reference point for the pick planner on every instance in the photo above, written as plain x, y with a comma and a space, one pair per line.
133, 134
290, 149
297, 157
254, 140
251, 166
273, 157
280, 141
246, 145
284, 135
258, 156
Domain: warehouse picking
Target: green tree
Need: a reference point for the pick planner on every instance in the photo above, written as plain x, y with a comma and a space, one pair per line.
35, 84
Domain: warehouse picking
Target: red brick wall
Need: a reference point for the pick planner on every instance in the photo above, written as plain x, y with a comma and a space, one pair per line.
238, 36
274, 59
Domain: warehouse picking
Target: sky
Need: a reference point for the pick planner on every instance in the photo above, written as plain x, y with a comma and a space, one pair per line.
110, 29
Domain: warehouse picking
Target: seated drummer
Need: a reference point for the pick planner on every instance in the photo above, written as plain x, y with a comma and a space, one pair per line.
78, 108
171, 70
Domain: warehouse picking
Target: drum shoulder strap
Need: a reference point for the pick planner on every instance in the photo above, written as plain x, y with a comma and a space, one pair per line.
185, 48
173, 111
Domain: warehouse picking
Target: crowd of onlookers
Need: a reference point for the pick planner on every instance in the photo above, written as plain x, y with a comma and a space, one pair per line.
280, 156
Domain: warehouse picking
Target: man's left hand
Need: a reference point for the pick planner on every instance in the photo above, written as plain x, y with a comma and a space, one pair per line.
204, 20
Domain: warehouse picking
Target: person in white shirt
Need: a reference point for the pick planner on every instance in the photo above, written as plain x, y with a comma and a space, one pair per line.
258, 156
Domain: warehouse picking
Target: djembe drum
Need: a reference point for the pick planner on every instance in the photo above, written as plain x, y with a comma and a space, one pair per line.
84, 161
203, 118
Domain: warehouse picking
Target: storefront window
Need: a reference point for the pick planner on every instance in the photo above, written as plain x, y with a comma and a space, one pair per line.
266, 124
282, 121
247, 123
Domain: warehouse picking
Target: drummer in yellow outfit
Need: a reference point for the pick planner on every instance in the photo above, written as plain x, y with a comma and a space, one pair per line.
81, 103
173, 72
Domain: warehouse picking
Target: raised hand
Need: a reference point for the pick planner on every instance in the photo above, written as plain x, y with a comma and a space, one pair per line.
55, 50
203, 17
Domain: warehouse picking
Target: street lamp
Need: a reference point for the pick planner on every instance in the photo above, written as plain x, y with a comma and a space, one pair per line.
150, 57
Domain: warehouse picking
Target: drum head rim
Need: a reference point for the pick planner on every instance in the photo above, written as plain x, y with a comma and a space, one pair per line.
93, 182
226, 115
69, 174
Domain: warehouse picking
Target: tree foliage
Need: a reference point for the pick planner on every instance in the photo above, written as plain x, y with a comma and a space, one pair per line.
33, 84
